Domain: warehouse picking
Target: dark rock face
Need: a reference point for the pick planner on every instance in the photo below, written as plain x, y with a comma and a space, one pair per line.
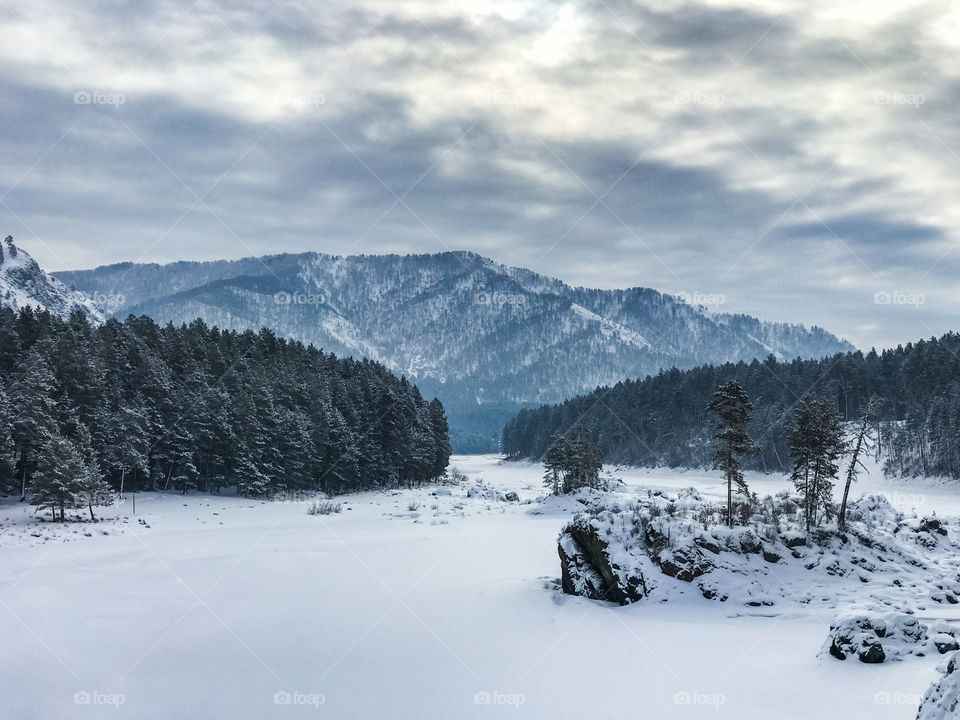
872, 654
511, 497
770, 556
586, 568
932, 525
685, 563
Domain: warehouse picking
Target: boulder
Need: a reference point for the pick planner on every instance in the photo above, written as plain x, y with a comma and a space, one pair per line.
586, 568
511, 497
892, 637
931, 525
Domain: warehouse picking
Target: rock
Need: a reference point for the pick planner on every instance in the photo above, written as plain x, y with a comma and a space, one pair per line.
770, 556
586, 568
708, 544
792, 541
891, 637
931, 525
749, 543
942, 700
511, 497
872, 654
685, 563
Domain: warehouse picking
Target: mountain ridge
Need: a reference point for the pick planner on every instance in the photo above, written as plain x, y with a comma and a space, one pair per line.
486, 338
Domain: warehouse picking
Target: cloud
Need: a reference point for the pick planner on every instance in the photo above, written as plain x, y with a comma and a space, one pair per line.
795, 157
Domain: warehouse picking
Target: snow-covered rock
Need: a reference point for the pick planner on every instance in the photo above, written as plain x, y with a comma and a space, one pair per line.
890, 637
942, 700
24, 284
880, 564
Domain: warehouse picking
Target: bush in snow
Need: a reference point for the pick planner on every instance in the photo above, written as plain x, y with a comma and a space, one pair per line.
323, 507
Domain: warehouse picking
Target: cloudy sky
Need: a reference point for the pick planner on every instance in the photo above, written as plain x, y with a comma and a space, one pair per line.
797, 160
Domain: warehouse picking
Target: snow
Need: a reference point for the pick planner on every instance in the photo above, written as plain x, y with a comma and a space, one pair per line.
228, 607
24, 284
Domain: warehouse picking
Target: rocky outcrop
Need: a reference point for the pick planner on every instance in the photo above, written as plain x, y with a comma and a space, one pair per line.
587, 570
942, 700
878, 639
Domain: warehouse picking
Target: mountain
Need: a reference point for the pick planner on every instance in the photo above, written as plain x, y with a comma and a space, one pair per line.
485, 338
23, 283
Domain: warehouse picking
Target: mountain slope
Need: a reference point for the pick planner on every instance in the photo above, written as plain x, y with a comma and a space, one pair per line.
24, 284
486, 338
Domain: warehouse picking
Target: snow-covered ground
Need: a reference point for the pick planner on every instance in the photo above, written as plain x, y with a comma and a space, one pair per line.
223, 607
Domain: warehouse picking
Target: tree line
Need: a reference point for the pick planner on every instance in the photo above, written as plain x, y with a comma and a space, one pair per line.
663, 420
87, 411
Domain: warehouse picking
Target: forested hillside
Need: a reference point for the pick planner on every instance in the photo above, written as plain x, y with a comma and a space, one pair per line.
485, 338
663, 420
148, 407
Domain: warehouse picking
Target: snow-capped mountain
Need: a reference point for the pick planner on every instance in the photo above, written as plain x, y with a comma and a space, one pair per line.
485, 338
24, 283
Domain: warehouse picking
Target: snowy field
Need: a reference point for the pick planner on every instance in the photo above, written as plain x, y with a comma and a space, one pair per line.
403, 605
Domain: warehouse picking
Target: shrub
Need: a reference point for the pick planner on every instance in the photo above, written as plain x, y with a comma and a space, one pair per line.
323, 507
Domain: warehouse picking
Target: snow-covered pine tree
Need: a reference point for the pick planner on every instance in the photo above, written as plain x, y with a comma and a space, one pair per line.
441, 439
731, 442
55, 485
555, 463
860, 444
35, 413
816, 445
91, 489
586, 461
7, 446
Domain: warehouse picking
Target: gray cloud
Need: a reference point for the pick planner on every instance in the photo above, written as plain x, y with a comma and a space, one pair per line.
797, 160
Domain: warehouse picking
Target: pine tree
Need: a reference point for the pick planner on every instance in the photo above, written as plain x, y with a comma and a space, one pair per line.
730, 439
7, 445
55, 485
91, 489
35, 413
586, 461
441, 439
556, 462
860, 444
816, 445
